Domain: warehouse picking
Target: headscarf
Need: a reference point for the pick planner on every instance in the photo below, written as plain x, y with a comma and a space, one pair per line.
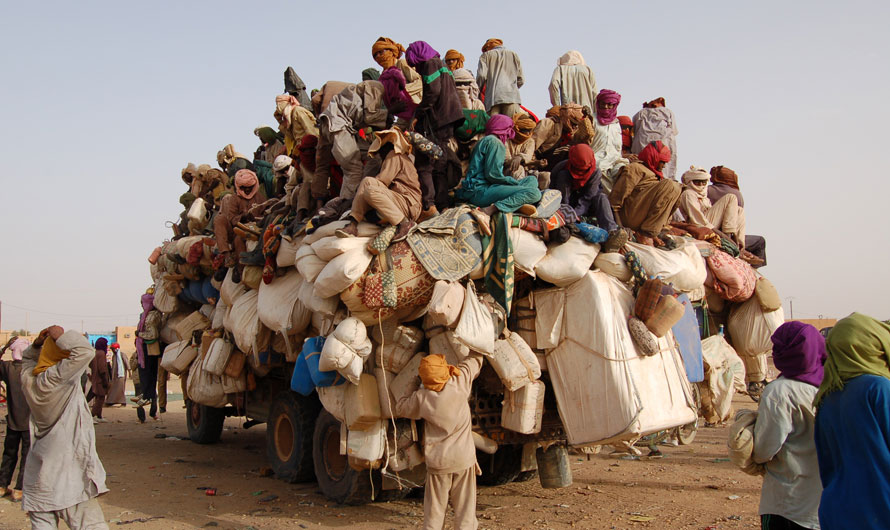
724, 175
284, 103
466, 86
386, 60
603, 115
523, 127
148, 303
571, 115
119, 361
102, 344
582, 164
394, 91
799, 352
307, 151
654, 104
491, 44
50, 355
501, 126
115, 346
454, 54
395, 137
370, 74
553, 112
435, 372
696, 179
186, 199
571, 58
228, 154
418, 52
652, 154
282, 163
17, 347
856, 345
267, 135
191, 170
627, 131
246, 178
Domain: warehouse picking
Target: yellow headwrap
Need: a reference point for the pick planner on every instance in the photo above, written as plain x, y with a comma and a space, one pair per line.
491, 43
435, 372
50, 354
393, 48
454, 54
523, 126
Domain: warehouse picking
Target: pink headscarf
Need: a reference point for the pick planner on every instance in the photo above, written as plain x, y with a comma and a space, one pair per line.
603, 115
17, 347
500, 125
246, 178
148, 303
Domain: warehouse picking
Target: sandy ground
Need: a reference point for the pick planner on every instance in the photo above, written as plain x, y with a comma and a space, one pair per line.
157, 479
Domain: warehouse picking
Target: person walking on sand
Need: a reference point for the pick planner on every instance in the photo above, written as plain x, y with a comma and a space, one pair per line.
63, 474
117, 390
99, 379
17, 418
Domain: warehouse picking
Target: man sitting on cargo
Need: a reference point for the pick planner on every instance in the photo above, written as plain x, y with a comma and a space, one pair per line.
233, 209
643, 199
724, 214
447, 439
393, 196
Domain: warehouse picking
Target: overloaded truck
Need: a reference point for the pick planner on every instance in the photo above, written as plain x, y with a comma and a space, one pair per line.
571, 357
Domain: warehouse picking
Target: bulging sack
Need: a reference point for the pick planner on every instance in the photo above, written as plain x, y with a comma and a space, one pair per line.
515, 362
446, 303
475, 328
523, 410
767, 295
230, 291
398, 344
682, 267
568, 262
351, 331
453, 350
333, 399
308, 264
528, 250
613, 264
245, 323
276, 300
178, 356
328, 248
287, 252
741, 443
751, 328
217, 356
205, 388
342, 271
731, 278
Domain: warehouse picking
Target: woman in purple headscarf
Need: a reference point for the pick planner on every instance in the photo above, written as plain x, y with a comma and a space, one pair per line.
784, 432
438, 113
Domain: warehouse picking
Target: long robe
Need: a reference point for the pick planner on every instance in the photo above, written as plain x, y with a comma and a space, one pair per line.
117, 390
655, 124
63, 468
573, 84
642, 201
485, 183
499, 75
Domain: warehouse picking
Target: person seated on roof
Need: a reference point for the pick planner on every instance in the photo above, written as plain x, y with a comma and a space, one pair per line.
388, 54
578, 179
725, 181
627, 134
392, 196
485, 184
235, 208
232, 161
725, 214
271, 144
294, 121
467, 90
642, 198
521, 148
606, 141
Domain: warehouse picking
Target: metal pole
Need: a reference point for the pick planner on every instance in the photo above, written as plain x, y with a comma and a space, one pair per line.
791, 304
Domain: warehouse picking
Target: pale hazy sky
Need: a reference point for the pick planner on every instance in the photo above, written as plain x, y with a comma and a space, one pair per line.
102, 103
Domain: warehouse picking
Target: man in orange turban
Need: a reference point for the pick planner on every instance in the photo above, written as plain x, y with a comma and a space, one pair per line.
447, 439
386, 52
454, 60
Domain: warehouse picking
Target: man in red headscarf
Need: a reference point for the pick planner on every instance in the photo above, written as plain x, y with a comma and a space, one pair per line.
627, 134
643, 199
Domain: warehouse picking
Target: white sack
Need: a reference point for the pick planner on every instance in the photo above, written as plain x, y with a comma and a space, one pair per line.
308, 263
178, 356
230, 291
446, 303
328, 248
613, 264
342, 271
528, 250
217, 356
683, 267
244, 324
515, 362
567, 263
205, 388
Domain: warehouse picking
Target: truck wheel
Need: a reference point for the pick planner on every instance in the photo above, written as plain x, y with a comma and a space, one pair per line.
289, 436
336, 480
686, 433
205, 424
500, 468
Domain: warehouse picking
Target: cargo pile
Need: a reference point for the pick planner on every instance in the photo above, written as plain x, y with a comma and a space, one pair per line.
346, 309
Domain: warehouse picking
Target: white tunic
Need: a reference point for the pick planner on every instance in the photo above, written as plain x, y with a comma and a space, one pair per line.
607, 152
63, 468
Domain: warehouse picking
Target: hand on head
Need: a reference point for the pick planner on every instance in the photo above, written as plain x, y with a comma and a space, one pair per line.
53, 332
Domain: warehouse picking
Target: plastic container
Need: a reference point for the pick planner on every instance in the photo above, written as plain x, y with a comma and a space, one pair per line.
553, 467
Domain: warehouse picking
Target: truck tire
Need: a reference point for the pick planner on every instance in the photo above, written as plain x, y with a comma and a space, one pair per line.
686, 433
336, 480
500, 468
289, 431
205, 424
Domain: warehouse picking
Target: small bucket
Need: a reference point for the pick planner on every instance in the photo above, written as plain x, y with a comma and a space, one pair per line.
553, 467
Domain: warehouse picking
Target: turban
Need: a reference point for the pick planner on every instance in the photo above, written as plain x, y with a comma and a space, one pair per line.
307, 151
246, 178
607, 97
523, 127
419, 52
654, 153
627, 131
189, 170
435, 372
582, 164
102, 344
799, 352
696, 179
552, 112
491, 43
186, 199
18, 347
267, 135
724, 175
387, 59
370, 74
454, 55
203, 169
571, 115
501, 126
655, 103
281, 163
50, 354
115, 346
571, 58
395, 95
